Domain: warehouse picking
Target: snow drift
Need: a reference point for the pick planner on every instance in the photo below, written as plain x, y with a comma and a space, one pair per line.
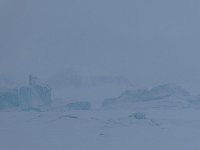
158, 97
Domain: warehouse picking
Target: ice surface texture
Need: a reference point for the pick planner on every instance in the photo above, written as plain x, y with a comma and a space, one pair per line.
78, 106
161, 92
25, 97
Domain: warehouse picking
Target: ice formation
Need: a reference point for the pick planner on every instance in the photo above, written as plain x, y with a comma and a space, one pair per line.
32, 96
165, 93
140, 115
8, 98
83, 105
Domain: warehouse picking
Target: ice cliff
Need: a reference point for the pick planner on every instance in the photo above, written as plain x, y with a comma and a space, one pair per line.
32, 96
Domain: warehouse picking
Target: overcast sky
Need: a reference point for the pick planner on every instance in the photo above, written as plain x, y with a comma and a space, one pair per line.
148, 41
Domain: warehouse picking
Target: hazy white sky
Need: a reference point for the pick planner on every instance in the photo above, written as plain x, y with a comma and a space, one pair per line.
148, 41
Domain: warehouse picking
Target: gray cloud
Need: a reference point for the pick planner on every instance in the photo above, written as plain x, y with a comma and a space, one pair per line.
150, 42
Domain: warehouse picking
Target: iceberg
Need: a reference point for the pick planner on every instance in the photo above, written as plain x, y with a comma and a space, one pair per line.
139, 115
165, 94
32, 96
8, 98
78, 106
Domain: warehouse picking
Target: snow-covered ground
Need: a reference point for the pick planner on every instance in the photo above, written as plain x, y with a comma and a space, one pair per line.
173, 129
165, 117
